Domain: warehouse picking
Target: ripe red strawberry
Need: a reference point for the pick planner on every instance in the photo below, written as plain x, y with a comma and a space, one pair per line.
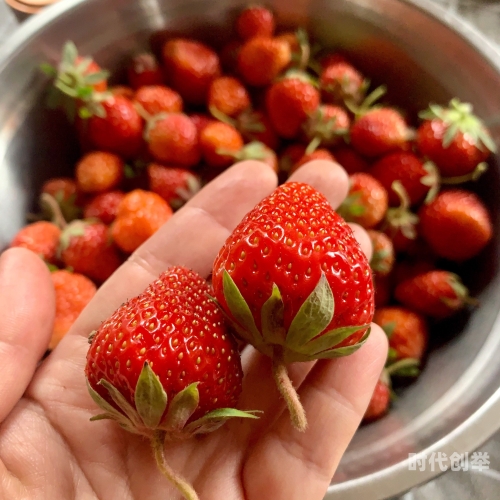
416, 176
190, 67
87, 248
256, 126
366, 203
454, 138
73, 292
410, 267
341, 82
406, 330
456, 225
379, 131
164, 366
173, 139
123, 90
200, 121
290, 102
262, 59
436, 293
99, 171
331, 59
255, 21
155, 99
352, 161
379, 402
116, 128
65, 193
326, 126
383, 256
143, 70
279, 274
104, 206
140, 215
318, 154
218, 143
227, 95
175, 185
41, 237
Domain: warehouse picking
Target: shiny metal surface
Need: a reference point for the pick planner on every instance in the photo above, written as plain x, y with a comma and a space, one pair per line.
424, 53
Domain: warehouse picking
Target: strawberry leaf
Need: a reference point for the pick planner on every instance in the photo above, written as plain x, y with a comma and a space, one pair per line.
182, 406
313, 317
69, 54
343, 351
272, 318
122, 403
150, 397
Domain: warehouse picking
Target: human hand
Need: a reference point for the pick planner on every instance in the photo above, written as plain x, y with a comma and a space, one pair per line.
48, 447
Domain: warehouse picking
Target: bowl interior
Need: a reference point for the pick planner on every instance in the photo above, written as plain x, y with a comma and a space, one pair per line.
420, 59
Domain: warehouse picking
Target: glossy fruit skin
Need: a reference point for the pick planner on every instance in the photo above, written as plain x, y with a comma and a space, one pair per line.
460, 158
41, 237
340, 81
143, 70
156, 99
175, 328
378, 132
140, 214
290, 239
318, 154
217, 138
456, 225
119, 131
262, 59
174, 140
99, 171
255, 21
228, 95
424, 293
190, 67
289, 103
73, 292
93, 253
408, 331
406, 168
104, 206
379, 403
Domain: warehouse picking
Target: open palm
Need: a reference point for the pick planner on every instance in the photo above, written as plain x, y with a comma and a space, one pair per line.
50, 450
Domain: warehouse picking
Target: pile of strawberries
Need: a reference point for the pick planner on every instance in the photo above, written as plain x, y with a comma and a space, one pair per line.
186, 114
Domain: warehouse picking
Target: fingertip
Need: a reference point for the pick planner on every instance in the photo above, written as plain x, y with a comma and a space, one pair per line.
363, 239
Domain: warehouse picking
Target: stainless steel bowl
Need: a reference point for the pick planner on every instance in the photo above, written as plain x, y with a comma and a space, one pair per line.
424, 54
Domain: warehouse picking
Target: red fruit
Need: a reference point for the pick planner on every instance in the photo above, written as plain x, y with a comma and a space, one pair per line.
379, 402
326, 126
65, 192
416, 177
383, 290
383, 256
118, 130
407, 332
289, 103
190, 67
456, 225
41, 237
173, 139
99, 171
218, 143
366, 203
143, 71
379, 131
87, 248
104, 206
318, 154
123, 90
175, 185
155, 99
454, 139
255, 21
340, 82
409, 268
170, 360
228, 95
331, 59
256, 126
350, 160
140, 215
436, 293
201, 121
73, 292
262, 59
279, 274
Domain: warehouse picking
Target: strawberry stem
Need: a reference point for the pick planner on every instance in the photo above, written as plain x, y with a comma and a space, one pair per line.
473, 176
157, 443
54, 209
285, 386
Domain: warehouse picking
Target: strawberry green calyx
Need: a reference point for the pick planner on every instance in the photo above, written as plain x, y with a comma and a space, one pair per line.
458, 117
401, 218
369, 102
461, 292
